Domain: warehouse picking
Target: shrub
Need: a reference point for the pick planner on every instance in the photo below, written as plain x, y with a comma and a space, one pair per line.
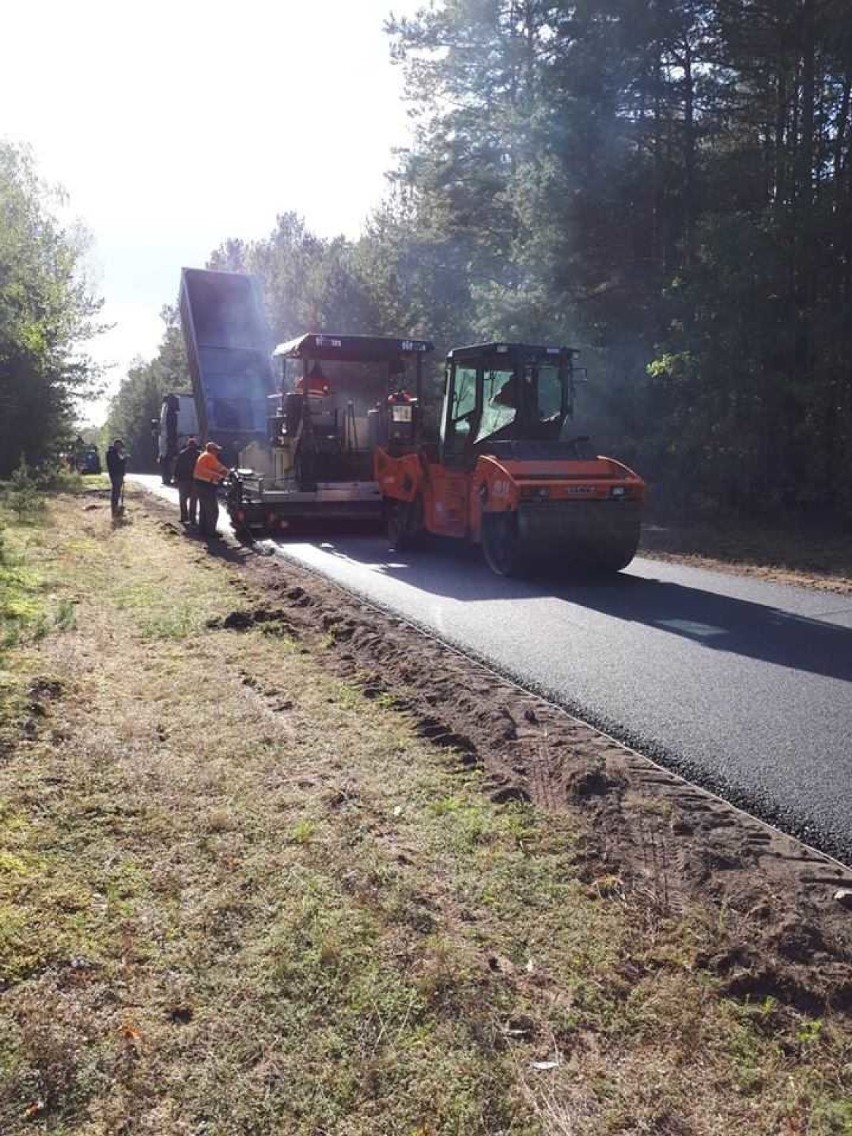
24, 494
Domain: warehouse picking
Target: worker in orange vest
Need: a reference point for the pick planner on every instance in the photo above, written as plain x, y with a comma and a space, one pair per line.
208, 473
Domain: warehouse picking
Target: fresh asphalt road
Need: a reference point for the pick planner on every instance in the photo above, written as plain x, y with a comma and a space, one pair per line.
741, 685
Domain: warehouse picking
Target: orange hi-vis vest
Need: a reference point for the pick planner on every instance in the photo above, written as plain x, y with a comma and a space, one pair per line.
209, 468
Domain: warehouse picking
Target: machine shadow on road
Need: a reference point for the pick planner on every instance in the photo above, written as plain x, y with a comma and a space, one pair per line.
724, 623
718, 622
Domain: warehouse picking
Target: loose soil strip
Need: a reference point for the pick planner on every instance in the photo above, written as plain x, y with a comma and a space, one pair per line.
661, 837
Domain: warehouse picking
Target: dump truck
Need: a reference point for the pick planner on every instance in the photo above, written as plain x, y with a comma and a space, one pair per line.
334, 406
228, 345
508, 472
86, 459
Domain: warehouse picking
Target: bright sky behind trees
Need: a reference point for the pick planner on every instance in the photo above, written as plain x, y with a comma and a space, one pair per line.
173, 125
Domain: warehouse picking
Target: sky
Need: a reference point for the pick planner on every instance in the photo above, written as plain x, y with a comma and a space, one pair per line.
173, 126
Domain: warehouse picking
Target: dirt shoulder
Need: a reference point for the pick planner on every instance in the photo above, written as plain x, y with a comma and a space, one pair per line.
798, 555
275, 862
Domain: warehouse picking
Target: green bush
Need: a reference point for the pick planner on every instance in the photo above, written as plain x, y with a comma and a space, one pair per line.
58, 478
24, 493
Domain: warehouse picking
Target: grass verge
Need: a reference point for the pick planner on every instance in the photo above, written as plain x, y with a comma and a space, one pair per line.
238, 897
798, 554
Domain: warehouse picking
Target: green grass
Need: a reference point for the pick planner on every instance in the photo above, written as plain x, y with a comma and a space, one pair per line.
797, 548
31, 605
22, 590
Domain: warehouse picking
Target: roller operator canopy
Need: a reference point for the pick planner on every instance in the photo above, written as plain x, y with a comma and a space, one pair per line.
495, 355
351, 348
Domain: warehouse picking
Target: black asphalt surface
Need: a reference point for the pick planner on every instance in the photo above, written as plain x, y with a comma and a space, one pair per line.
743, 686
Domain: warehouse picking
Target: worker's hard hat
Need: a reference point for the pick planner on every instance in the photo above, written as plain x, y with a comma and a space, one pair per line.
212, 448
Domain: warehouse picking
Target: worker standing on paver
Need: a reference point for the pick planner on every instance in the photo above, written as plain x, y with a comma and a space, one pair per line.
184, 475
208, 473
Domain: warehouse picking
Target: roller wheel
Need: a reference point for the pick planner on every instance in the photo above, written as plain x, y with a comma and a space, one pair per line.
619, 551
501, 544
612, 562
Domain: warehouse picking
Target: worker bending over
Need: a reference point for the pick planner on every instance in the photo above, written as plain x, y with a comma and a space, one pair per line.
208, 473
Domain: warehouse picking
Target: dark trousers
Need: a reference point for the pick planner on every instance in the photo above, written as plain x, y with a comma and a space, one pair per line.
208, 507
188, 500
115, 494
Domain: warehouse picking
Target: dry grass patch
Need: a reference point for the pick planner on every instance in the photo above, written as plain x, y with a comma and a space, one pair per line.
799, 554
238, 897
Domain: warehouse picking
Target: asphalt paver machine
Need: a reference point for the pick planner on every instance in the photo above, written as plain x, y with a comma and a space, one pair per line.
334, 407
508, 471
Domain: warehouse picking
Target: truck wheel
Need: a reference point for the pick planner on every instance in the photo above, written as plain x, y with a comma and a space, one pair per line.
501, 544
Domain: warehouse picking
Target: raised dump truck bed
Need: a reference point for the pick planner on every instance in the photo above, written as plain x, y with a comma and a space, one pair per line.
227, 344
